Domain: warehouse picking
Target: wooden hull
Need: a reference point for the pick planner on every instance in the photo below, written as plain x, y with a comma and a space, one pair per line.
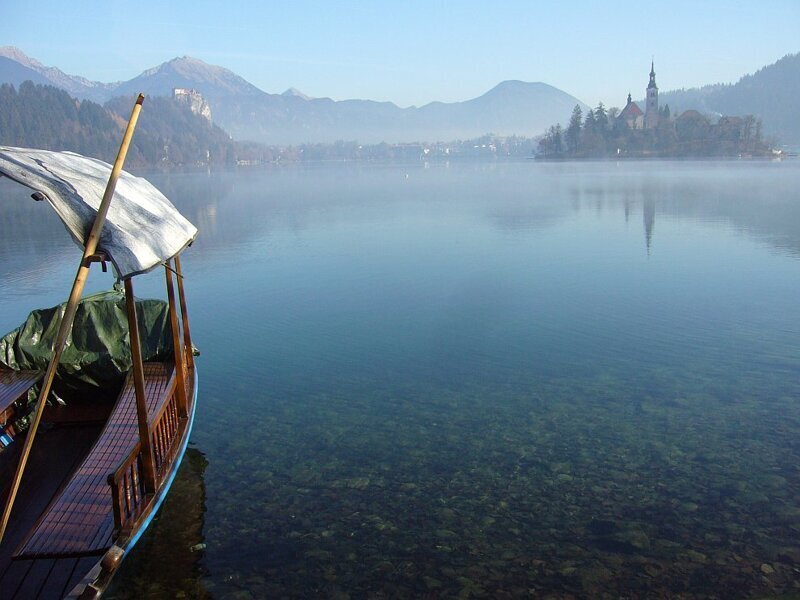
98, 578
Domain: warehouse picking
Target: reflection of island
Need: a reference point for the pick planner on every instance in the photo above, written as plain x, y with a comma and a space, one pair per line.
172, 549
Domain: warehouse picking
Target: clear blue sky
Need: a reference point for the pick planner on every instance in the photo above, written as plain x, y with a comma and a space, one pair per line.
413, 52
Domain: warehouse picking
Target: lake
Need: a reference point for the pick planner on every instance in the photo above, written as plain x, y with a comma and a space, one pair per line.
474, 379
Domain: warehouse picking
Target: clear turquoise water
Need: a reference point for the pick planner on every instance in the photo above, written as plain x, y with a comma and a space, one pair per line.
476, 379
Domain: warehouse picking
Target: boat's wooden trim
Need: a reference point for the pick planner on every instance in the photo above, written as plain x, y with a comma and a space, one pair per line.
13, 385
187, 336
177, 345
129, 496
98, 578
148, 475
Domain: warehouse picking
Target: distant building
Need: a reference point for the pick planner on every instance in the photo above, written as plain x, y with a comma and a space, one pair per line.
691, 125
194, 99
632, 115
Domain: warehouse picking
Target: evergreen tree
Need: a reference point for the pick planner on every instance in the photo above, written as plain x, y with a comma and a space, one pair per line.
551, 144
601, 117
558, 146
573, 134
589, 122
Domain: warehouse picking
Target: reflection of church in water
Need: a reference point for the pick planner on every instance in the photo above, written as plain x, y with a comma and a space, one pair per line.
648, 216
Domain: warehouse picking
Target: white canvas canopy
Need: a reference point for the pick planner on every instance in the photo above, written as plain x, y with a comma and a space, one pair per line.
142, 230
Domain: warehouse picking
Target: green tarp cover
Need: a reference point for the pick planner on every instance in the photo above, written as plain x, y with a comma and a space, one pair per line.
98, 349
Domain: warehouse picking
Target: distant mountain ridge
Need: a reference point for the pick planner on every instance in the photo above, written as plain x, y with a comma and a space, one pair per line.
80, 87
188, 72
248, 113
510, 108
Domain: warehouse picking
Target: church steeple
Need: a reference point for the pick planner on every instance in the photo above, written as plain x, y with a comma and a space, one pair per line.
651, 106
652, 83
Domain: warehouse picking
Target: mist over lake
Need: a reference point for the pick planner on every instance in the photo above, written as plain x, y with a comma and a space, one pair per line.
485, 379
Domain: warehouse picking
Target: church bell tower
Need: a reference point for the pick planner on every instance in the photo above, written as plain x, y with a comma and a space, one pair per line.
651, 107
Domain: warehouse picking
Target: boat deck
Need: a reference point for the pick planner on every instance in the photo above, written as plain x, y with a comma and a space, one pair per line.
80, 521
42, 578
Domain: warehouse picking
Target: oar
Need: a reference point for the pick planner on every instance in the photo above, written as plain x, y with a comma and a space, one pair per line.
90, 247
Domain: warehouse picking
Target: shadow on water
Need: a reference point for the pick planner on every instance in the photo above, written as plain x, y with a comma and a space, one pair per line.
167, 562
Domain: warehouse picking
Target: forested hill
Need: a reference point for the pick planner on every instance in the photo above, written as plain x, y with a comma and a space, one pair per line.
168, 133
772, 94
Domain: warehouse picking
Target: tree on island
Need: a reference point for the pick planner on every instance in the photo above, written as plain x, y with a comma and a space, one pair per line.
573, 134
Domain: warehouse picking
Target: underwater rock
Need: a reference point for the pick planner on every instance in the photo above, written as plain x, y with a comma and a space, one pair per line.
652, 570
636, 539
561, 467
602, 527
695, 556
384, 567
446, 534
432, 583
594, 575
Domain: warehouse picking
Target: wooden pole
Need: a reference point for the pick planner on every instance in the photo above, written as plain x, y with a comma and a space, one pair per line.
90, 247
187, 337
148, 462
177, 345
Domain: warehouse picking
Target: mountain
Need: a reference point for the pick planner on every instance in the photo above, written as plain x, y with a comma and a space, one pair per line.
248, 113
15, 73
188, 72
771, 94
511, 107
295, 92
168, 134
15, 64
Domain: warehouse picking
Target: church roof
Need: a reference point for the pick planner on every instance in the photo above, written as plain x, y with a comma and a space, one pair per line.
631, 111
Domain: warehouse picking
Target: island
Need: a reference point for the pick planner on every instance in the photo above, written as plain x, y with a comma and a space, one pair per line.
654, 132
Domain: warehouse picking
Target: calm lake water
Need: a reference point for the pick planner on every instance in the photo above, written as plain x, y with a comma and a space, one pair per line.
496, 379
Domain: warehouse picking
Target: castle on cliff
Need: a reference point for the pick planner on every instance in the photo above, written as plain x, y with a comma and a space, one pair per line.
194, 100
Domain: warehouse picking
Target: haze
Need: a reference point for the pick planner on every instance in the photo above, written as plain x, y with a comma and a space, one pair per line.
412, 53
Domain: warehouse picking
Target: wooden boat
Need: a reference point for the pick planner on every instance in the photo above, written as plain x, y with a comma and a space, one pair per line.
78, 496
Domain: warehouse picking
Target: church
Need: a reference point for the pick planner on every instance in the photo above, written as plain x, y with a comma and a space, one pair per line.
633, 116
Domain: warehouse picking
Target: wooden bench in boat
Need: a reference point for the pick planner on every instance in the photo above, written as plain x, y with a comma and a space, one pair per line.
13, 385
80, 520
